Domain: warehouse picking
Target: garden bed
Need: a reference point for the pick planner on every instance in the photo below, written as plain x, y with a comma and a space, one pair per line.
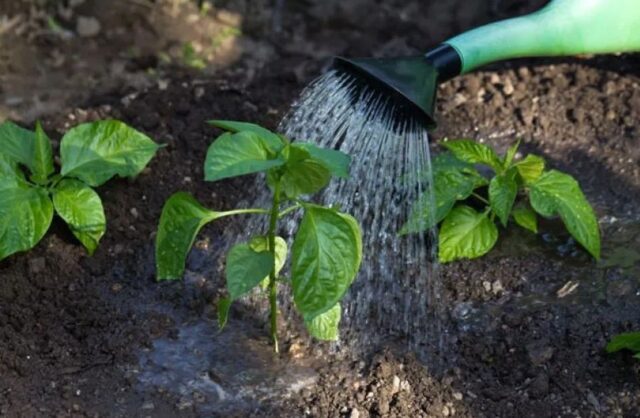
527, 325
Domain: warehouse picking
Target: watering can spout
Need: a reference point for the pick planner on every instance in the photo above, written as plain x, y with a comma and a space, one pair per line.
409, 82
562, 28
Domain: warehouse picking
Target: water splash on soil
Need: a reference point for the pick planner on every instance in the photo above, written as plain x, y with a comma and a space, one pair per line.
221, 373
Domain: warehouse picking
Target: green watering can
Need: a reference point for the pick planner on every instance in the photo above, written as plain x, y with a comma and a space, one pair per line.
562, 28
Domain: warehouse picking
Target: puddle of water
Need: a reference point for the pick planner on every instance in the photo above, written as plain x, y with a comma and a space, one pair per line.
226, 372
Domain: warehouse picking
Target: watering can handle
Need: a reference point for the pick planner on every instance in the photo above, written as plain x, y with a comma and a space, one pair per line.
562, 28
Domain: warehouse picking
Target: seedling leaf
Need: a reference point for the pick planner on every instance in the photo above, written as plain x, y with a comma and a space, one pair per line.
245, 269
181, 219
326, 325
503, 190
326, 256
42, 162
531, 168
233, 155
474, 153
466, 233
626, 341
335, 161
81, 208
526, 218
558, 193
25, 216
95, 152
272, 140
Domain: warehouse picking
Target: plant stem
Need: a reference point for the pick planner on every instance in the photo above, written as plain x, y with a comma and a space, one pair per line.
480, 198
241, 212
289, 209
273, 291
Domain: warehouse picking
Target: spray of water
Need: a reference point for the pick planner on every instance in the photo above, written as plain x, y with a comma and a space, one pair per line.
396, 292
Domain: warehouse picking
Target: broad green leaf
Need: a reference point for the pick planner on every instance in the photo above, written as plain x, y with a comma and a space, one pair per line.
181, 219
626, 341
42, 161
326, 256
503, 190
30, 149
245, 269
262, 244
224, 304
511, 153
272, 140
302, 174
16, 143
95, 152
326, 325
558, 193
335, 161
526, 218
81, 208
474, 153
25, 216
233, 155
453, 180
10, 174
530, 169
466, 233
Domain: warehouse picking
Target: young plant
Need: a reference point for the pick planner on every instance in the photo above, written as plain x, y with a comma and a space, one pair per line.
327, 247
31, 190
626, 341
518, 191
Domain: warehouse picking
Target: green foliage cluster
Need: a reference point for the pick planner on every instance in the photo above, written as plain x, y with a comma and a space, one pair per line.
327, 248
518, 191
626, 341
31, 190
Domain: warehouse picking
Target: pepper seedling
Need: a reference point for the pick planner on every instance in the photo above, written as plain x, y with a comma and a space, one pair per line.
518, 190
327, 248
90, 154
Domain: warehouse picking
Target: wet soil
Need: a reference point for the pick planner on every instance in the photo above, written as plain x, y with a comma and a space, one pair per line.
96, 336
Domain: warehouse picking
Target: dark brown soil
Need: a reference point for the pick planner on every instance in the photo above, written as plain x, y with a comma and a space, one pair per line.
72, 327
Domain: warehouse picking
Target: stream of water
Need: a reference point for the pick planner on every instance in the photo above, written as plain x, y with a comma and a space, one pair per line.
397, 290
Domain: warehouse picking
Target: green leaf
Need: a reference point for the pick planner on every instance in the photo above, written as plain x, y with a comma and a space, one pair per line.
261, 243
466, 233
32, 150
10, 174
245, 269
326, 256
335, 161
453, 180
503, 190
326, 325
17, 143
233, 155
474, 153
224, 304
25, 216
526, 218
626, 341
181, 219
511, 153
530, 169
81, 208
272, 140
302, 174
42, 162
558, 193
95, 152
